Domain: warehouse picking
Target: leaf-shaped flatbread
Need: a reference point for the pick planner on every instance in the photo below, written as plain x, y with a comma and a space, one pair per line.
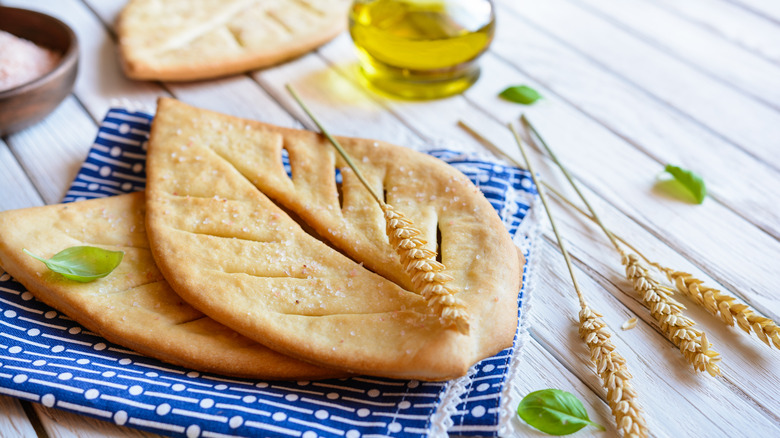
187, 40
133, 306
216, 188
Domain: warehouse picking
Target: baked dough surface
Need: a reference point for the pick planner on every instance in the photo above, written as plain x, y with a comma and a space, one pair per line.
199, 39
303, 264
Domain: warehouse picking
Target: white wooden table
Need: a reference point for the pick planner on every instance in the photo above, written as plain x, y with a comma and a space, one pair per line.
629, 86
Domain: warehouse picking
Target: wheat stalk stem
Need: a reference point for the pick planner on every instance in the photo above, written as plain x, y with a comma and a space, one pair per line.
609, 364
335, 144
571, 181
428, 276
549, 215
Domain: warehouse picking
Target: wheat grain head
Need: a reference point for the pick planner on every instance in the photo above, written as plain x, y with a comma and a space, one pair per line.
725, 306
677, 327
428, 275
615, 378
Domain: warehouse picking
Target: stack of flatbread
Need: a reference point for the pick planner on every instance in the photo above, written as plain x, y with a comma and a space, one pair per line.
234, 267
199, 39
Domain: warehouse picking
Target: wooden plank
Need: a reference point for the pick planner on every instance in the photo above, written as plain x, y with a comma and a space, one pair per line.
733, 23
64, 138
336, 101
740, 119
236, 95
100, 82
662, 378
693, 45
107, 10
659, 131
16, 189
14, 421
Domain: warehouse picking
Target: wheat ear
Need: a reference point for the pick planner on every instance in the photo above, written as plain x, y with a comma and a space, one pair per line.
724, 305
677, 327
615, 378
610, 366
428, 276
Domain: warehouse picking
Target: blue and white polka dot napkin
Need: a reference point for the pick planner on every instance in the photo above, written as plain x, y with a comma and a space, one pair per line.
47, 358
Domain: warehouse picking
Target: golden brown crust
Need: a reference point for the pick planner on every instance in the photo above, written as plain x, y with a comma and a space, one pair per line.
180, 40
133, 306
206, 168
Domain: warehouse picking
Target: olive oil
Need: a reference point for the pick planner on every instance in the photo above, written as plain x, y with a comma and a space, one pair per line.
421, 49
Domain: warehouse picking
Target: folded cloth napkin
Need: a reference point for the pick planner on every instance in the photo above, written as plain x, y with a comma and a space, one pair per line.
45, 357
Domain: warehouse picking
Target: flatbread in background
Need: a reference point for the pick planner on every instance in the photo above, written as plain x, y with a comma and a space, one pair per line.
181, 40
215, 185
133, 306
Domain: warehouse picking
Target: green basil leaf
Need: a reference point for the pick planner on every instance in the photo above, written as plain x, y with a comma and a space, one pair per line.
520, 94
689, 180
82, 263
554, 412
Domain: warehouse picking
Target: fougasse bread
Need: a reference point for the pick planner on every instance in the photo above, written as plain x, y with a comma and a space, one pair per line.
133, 306
303, 264
181, 40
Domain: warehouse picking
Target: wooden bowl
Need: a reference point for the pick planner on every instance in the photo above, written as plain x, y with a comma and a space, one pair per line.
30, 102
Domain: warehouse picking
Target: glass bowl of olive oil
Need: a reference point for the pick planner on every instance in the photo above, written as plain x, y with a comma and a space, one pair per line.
421, 49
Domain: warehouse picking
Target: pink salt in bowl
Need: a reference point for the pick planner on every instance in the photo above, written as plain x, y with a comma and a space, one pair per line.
28, 103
